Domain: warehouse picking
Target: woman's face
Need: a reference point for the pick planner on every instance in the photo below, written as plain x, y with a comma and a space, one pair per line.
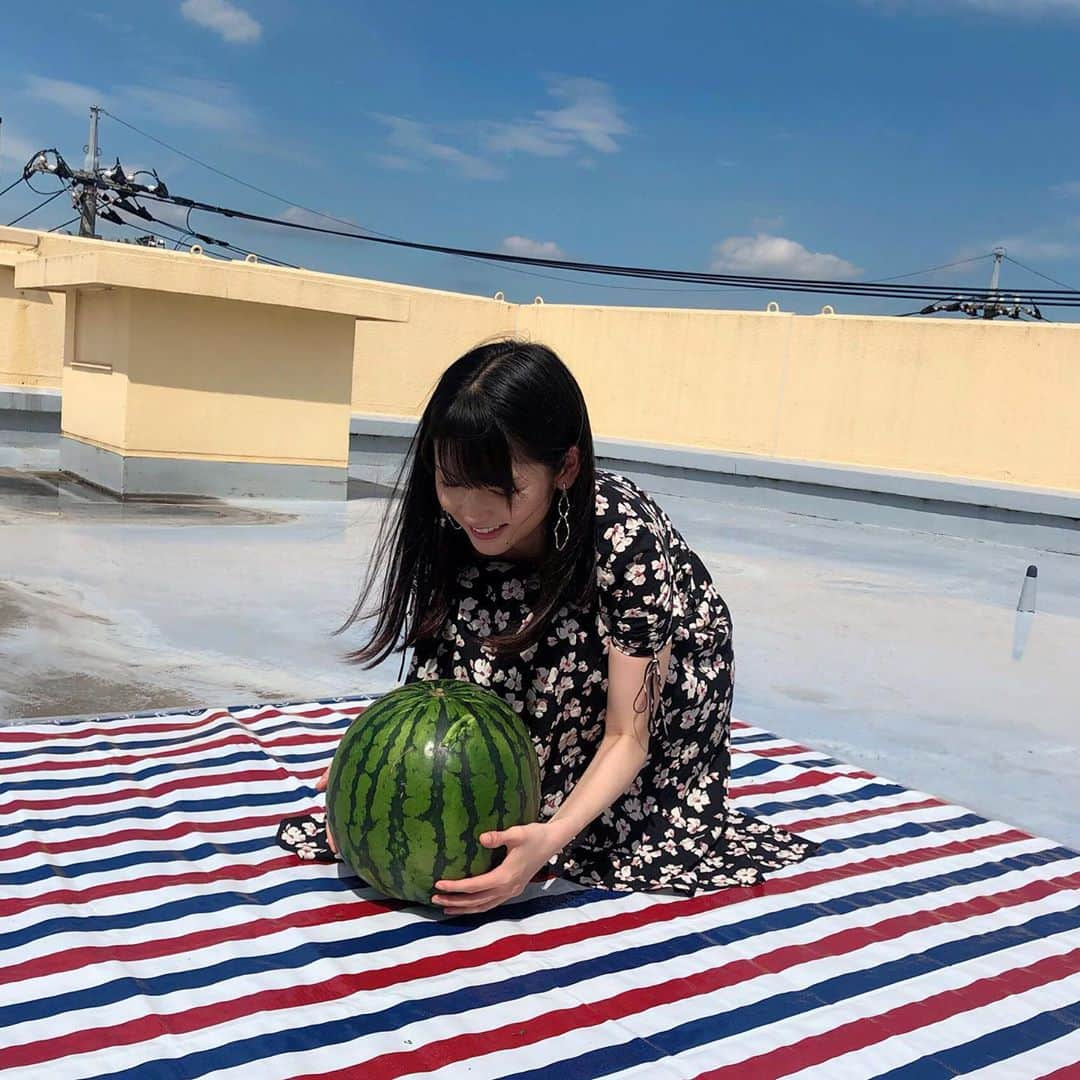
495, 527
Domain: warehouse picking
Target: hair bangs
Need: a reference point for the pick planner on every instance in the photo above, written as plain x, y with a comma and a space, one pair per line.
472, 451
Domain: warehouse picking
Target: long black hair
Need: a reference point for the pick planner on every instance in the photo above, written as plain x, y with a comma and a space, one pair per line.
500, 402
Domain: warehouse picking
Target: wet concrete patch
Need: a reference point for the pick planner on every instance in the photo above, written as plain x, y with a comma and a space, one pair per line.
35, 496
13, 615
65, 694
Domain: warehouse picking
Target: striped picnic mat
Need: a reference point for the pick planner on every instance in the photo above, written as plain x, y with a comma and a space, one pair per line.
152, 928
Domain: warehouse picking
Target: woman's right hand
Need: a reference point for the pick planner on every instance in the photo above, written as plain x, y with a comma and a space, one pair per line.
320, 785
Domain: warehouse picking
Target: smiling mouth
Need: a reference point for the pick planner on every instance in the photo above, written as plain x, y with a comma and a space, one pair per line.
486, 534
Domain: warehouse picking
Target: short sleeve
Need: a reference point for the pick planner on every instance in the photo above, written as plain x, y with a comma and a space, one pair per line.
634, 576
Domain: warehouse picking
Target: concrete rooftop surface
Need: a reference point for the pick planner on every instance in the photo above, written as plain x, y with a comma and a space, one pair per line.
887, 643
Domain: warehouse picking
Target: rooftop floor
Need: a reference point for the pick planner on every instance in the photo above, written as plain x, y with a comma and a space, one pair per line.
888, 645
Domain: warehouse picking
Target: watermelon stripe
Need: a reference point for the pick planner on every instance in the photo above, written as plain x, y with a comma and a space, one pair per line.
397, 846
437, 806
463, 855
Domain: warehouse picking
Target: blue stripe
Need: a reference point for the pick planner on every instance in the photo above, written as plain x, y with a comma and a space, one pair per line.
100, 996
176, 738
134, 814
816, 802
199, 765
140, 858
597, 1063
779, 1007
760, 766
74, 871
991, 1048
150, 918
799, 914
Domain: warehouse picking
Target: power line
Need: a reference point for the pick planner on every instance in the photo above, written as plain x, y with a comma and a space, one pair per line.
13, 184
65, 224
35, 209
342, 221
954, 298
781, 284
1031, 270
237, 179
943, 266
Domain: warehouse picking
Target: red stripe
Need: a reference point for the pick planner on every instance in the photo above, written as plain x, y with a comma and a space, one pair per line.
246, 738
141, 1029
1066, 1072
858, 1034
68, 733
183, 783
187, 827
145, 884
775, 751
73, 959
859, 815
630, 1002
809, 778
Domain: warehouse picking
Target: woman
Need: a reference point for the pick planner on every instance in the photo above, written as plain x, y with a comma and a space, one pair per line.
513, 563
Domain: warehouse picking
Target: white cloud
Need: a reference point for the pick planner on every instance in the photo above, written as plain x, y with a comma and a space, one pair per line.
70, 96
191, 103
588, 117
14, 149
1067, 188
228, 21
1041, 248
533, 249
182, 103
776, 256
413, 144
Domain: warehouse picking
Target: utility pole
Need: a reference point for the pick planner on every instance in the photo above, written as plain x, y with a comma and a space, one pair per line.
995, 274
88, 199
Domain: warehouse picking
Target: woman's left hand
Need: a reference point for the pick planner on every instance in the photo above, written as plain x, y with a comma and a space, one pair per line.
529, 847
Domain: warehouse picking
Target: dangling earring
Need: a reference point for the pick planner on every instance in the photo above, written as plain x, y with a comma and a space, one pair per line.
563, 524
453, 524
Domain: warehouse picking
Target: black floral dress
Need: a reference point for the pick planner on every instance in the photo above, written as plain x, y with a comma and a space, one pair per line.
672, 830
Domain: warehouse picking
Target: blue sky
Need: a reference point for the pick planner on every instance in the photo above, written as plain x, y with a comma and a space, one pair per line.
838, 138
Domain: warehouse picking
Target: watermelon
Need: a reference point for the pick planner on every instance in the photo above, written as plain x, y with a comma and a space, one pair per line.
419, 775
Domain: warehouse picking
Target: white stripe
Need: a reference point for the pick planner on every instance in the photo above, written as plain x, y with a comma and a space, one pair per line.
837, 785
161, 894
250, 720
595, 988
899, 1050
101, 762
1041, 1060
272, 784
650, 1023
744, 1046
786, 818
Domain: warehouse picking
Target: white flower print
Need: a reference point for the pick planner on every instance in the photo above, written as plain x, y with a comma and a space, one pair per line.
635, 573
619, 537
697, 799
428, 670
482, 671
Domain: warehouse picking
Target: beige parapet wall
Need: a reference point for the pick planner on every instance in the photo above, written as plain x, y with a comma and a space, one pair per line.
997, 402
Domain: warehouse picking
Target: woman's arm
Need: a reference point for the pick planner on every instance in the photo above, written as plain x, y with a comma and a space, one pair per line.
621, 752
618, 759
